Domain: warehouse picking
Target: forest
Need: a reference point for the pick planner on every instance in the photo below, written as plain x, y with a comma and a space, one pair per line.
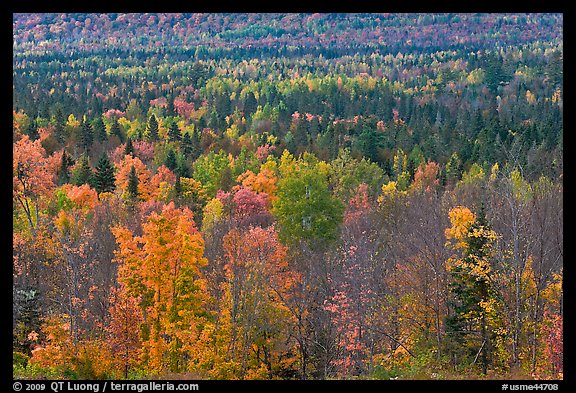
287, 196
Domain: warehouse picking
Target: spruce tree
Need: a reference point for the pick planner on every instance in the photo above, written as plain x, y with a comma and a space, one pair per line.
468, 329
59, 123
186, 144
63, 172
153, 128
86, 135
104, 179
132, 185
174, 132
129, 149
82, 174
115, 130
99, 129
171, 161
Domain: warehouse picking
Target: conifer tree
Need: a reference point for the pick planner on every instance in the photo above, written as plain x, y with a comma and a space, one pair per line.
174, 132
170, 161
129, 149
115, 130
104, 179
153, 128
99, 129
63, 172
86, 135
133, 184
82, 174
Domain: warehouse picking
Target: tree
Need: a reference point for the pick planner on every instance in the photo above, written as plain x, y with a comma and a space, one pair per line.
104, 179
305, 208
258, 280
82, 172
63, 172
31, 177
174, 132
132, 189
124, 329
152, 128
99, 129
86, 135
161, 268
470, 326
171, 160
59, 123
129, 149
125, 178
116, 130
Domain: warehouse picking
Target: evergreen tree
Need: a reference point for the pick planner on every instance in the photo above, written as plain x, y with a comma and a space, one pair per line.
186, 144
116, 130
182, 169
83, 172
32, 130
153, 129
63, 172
133, 185
174, 132
59, 123
468, 328
129, 149
104, 179
170, 161
86, 135
99, 129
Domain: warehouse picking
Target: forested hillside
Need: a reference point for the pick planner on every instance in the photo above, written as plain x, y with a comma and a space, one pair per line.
288, 196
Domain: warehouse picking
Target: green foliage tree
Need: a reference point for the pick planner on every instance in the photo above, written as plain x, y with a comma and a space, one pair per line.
305, 208
104, 179
152, 128
82, 174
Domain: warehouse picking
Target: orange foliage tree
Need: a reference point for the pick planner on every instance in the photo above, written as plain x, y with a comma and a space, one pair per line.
162, 269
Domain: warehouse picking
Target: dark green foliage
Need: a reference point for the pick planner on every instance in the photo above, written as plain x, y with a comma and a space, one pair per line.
115, 129
82, 174
27, 319
99, 129
467, 328
171, 160
59, 123
63, 171
86, 135
129, 149
133, 181
104, 179
370, 142
174, 132
152, 129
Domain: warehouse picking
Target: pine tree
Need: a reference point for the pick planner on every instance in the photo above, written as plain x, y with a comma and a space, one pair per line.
468, 328
59, 123
133, 185
32, 130
99, 129
83, 172
104, 179
129, 149
170, 161
63, 172
115, 130
174, 132
186, 144
153, 128
86, 135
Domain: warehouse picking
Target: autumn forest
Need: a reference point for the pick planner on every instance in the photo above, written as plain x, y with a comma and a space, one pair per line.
287, 196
